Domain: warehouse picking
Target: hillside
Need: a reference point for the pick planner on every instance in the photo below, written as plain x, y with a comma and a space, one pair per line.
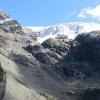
54, 69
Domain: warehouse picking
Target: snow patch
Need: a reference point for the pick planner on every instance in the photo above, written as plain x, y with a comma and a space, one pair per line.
35, 29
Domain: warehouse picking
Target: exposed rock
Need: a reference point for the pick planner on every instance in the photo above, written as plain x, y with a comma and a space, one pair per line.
83, 59
50, 51
14, 26
2, 82
3, 16
59, 46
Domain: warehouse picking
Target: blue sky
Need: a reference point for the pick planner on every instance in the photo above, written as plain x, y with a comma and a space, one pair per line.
48, 12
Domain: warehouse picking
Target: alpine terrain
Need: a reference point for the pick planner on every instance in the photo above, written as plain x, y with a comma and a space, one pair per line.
58, 62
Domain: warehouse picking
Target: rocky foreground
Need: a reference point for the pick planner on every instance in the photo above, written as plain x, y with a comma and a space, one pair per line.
57, 69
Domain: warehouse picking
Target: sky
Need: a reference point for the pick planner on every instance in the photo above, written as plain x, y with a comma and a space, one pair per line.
49, 12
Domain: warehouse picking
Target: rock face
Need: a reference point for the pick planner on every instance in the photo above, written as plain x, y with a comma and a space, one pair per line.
83, 59
50, 51
8, 24
3, 16
13, 26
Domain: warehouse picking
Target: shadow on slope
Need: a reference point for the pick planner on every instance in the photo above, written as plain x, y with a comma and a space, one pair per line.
2, 82
35, 77
83, 58
81, 67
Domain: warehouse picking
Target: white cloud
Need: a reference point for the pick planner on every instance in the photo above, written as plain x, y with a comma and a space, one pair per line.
90, 12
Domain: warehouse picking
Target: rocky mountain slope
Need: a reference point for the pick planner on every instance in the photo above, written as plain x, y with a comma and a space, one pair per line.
54, 69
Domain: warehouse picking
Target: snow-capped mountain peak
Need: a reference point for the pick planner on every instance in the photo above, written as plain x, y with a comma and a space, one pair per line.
68, 30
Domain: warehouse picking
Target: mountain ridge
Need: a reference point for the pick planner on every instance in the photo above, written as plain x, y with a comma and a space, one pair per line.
70, 30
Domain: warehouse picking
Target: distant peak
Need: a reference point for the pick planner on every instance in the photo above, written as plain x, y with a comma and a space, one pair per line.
69, 30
